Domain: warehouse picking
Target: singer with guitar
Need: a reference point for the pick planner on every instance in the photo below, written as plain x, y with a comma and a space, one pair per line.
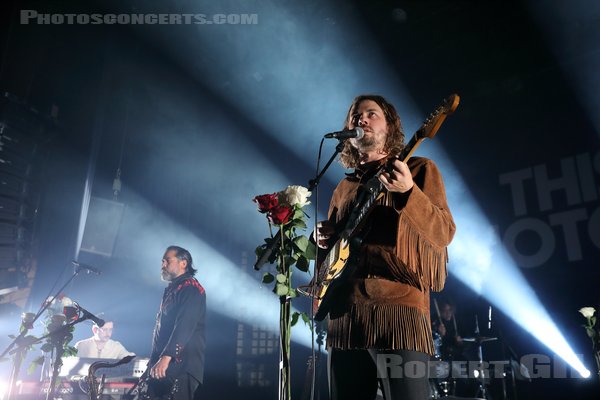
380, 311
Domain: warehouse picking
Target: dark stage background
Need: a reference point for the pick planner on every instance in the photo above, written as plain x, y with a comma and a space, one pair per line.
200, 118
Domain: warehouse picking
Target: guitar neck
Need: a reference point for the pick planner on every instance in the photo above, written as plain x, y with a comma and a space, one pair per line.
410, 148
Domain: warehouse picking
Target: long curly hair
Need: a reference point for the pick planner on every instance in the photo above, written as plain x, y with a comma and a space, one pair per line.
394, 142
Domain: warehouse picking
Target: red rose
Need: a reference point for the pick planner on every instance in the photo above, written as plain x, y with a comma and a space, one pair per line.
266, 202
280, 215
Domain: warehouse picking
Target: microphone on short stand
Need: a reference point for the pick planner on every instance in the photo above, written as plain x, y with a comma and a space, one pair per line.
356, 133
88, 315
87, 268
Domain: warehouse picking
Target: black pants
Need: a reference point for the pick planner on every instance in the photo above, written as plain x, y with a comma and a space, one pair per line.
355, 374
181, 388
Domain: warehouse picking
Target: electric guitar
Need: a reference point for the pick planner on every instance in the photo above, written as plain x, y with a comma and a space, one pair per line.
336, 266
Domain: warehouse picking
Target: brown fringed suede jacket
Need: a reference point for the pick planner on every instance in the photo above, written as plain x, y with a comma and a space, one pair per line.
385, 303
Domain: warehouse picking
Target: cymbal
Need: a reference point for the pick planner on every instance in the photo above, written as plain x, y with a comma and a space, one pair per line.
479, 339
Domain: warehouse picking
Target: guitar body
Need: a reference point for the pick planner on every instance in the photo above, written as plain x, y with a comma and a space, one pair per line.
338, 264
334, 269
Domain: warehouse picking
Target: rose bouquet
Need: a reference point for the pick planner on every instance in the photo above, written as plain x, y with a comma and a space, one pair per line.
59, 315
290, 248
593, 331
285, 210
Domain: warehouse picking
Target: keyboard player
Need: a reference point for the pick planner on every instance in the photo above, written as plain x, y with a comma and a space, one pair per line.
100, 345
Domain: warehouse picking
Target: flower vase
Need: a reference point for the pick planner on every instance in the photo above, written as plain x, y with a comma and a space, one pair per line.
285, 324
287, 248
285, 384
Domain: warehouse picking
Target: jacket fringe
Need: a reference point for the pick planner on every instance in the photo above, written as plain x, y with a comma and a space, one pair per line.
368, 326
420, 256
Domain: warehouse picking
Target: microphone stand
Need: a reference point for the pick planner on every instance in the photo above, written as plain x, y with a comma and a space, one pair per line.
338, 149
321, 331
20, 352
22, 343
57, 338
313, 183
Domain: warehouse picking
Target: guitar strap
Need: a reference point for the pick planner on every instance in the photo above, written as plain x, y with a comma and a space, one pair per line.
364, 192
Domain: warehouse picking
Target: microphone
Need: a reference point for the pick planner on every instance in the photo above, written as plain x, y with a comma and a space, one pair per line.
89, 315
356, 133
71, 312
86, 267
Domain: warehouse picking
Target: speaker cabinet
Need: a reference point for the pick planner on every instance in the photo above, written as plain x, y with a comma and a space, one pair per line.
102, 226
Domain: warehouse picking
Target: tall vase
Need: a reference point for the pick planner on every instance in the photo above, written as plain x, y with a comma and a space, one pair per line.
285, 387
285, 327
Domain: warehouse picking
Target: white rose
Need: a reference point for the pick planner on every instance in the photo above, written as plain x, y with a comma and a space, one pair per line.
67, 302
296, 194
587, 312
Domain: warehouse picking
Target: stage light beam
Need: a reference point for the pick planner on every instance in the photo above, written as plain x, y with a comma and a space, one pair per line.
479, 260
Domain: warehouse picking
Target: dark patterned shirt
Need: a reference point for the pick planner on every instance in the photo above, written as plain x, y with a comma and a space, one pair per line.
180, 327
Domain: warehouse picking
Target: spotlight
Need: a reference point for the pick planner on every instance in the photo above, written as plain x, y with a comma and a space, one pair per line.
482, 264
585, 373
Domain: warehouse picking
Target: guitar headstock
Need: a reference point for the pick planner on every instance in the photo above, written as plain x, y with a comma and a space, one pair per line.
435, 119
